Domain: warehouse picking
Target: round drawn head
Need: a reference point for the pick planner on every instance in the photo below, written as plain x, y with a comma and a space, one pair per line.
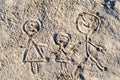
62, 39
31, 27
86, 22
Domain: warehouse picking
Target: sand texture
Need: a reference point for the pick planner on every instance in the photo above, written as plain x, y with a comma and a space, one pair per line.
59, 39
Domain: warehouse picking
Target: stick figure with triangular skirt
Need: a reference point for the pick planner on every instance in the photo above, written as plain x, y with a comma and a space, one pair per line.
34, 52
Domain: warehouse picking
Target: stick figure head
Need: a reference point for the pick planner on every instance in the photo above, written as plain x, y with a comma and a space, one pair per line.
31, 27
86, 22
62, 39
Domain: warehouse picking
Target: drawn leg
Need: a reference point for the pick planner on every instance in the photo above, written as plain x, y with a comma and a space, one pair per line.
37, 64
33, 67
78, 69
61, 65
98, 64
93, 59
24, 56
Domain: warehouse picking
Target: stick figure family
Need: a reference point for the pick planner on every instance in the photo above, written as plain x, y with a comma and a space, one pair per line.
86, 24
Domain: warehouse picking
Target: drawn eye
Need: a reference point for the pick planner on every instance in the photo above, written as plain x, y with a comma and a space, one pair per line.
33, 30
60, 41
31, 24
29, 27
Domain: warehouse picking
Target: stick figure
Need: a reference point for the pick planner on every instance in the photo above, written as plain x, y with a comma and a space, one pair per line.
33, 53
62, 40
88, 24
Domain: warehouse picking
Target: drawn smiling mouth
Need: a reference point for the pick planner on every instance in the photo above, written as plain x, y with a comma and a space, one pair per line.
86, 25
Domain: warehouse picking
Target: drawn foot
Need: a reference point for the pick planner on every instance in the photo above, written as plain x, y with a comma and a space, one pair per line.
81, 77
34, 67
97, 63
78, 68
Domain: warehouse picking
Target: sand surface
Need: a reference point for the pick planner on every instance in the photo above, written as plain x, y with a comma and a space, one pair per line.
59, 39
